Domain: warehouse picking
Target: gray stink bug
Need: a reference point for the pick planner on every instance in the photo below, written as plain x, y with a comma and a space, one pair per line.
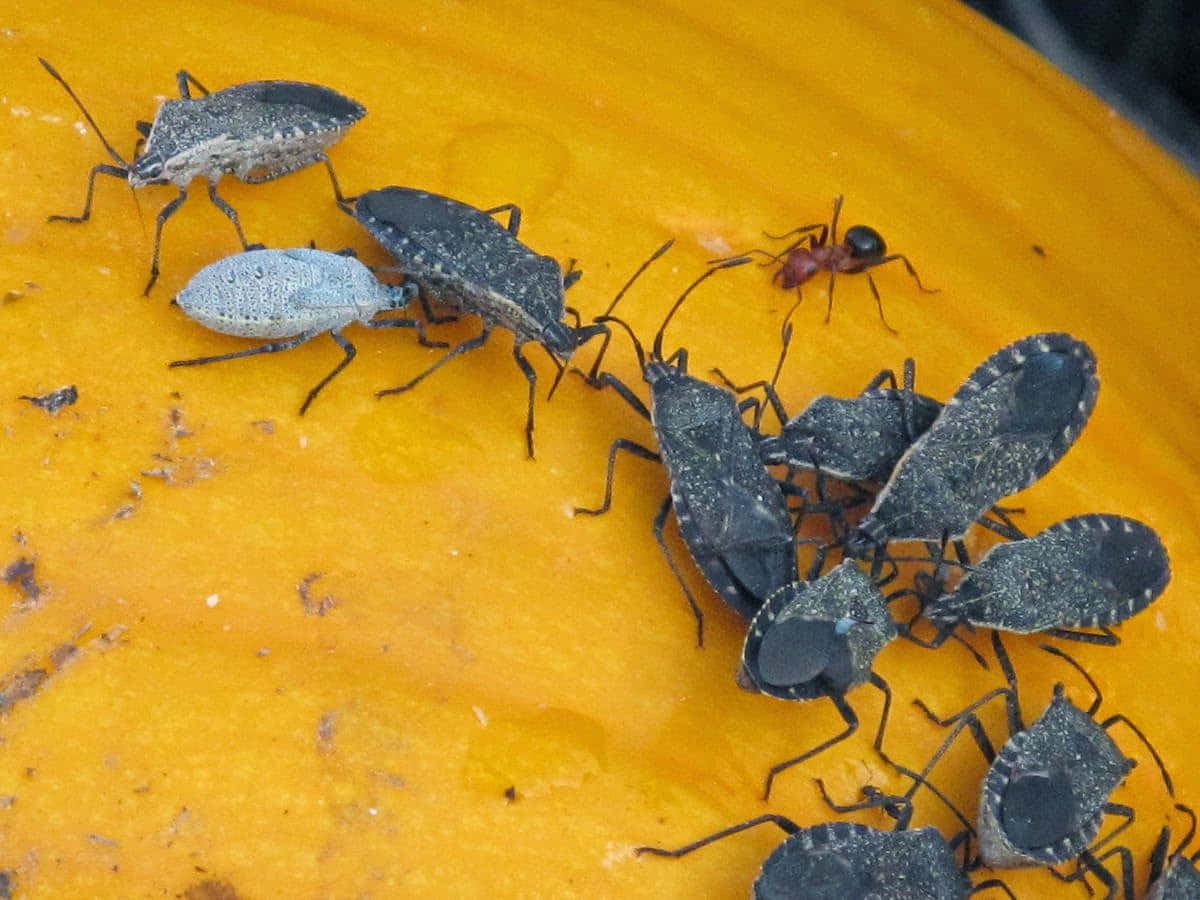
845, 860
1047, 790
1089, 571
732, 513
819, 638
461, 256
1005, 428
257, 131
294, 294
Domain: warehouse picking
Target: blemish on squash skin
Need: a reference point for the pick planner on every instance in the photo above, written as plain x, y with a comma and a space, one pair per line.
314, 606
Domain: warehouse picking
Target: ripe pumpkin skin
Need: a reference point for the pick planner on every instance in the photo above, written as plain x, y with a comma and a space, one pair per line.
479, 637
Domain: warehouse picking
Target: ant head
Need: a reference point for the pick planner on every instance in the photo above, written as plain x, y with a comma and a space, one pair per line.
864, 242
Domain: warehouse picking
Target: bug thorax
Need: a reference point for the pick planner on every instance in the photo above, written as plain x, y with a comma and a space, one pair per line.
864, 242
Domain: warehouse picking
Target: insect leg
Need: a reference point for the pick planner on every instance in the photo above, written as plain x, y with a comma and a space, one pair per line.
660, 521
220, 203
789, 827
465, 347
275, 347
183, 78
531, 377
407, 323
848, 717
514, 217
349, 350
102, 169
617, 445
878, 304
165, 213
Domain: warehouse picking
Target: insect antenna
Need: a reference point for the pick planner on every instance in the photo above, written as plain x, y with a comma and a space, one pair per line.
656, 352
87, 115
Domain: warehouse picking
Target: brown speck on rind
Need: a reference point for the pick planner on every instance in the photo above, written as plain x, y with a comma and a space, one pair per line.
510, 793
8, 881
20, 686
266, 426
55, 400
63, 654
210, 889
314, 606
20, 574
326, 730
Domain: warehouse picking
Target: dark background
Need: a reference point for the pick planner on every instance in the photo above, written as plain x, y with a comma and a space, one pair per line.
1141, 56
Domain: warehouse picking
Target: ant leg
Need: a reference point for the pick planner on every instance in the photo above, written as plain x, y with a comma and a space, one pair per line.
879, 304
617, 446
465, 347
911, 271
224, 207
829, 305
789, 828
514, 216
102, 169
348, 349
183, 77
837, 211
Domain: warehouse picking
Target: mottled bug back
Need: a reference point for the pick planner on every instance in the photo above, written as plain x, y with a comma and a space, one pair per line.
465, 258
1181, 881
257, 131
1044, 795
1005, 428
730, 510
818, 638
280, 293
856, 439
844, 860
1087, 571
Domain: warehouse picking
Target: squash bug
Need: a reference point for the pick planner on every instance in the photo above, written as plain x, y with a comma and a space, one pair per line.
1005, 428
819, 638
461, 256
1047, 790
861, 249
294, 294
257, 131
1088, 571
1174, 877
845, 859
732, 514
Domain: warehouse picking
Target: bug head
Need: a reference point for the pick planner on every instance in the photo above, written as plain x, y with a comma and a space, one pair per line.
560, 339
149, 168
864, 242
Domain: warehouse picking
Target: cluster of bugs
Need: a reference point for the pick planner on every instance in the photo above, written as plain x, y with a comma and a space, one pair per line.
915, 470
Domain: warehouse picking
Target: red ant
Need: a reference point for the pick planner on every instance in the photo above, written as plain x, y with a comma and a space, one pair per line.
860, 249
